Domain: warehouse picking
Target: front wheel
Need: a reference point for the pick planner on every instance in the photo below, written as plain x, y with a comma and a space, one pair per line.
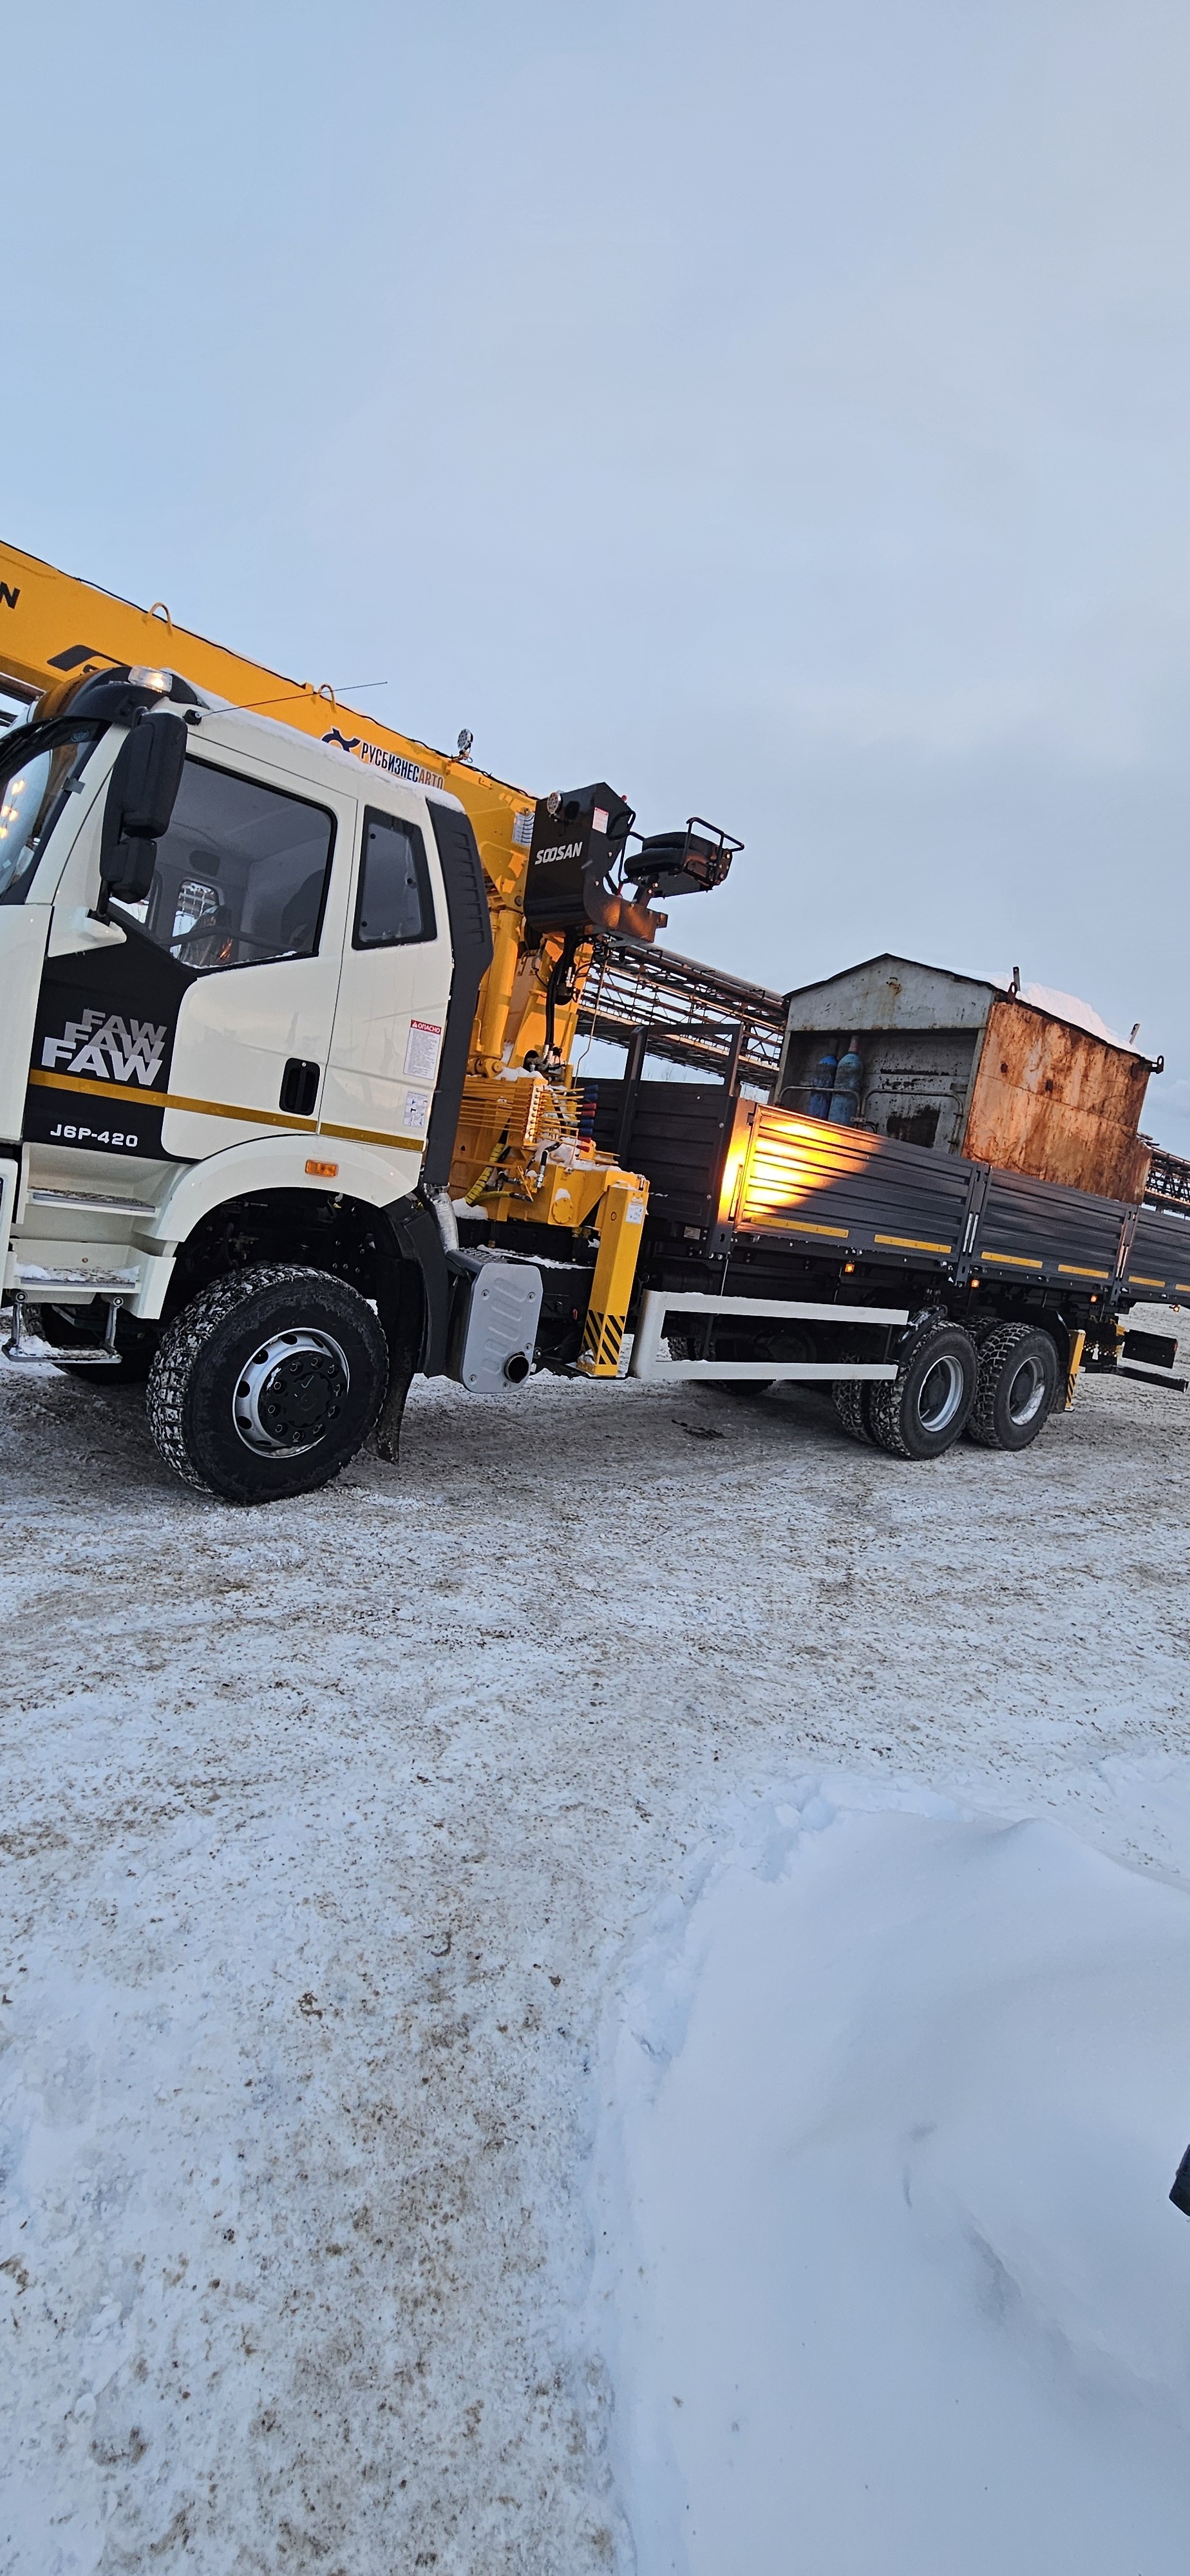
267, 1383
921, 1412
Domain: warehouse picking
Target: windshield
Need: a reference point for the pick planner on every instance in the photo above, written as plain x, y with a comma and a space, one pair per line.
35, 777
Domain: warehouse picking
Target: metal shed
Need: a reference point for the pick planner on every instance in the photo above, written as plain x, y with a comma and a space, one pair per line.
961, 1066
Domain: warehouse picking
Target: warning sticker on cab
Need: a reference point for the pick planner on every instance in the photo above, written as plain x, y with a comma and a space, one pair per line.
421, 1049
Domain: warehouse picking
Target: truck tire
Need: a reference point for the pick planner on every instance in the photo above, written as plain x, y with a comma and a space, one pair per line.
1018, 1385
922, 1411
267, 1383
82, 1328
852, 1398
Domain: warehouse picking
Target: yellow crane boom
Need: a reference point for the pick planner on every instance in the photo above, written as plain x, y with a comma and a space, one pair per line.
54, 629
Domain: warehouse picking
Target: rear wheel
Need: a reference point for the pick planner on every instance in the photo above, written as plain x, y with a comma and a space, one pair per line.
1018, 1387
267, 1384
852, 1397
921, 1412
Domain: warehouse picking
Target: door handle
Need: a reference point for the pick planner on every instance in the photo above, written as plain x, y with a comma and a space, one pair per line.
299, 1087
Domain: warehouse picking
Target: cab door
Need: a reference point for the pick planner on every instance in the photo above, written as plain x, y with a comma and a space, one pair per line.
249, 901
390, 1017
202, 1015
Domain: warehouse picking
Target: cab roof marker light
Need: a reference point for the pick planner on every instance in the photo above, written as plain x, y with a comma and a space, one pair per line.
146, 675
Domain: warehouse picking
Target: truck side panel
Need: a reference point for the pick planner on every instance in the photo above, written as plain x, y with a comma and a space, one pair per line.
678, 1140
739, 1171
1159, 1256
1034, 1228
726, 1168
823, 1184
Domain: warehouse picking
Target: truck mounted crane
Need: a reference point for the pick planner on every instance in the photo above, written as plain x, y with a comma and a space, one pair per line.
288, 1111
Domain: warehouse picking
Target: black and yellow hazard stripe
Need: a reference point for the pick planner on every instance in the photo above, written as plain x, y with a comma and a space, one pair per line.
602, 1339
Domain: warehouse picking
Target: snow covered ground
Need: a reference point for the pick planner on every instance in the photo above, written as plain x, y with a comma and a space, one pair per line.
890, 2274
350, 1849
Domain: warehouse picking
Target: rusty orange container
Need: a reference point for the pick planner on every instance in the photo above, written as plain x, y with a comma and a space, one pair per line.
1056, 1102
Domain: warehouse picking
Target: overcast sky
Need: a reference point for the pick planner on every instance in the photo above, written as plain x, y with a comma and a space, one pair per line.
779, 411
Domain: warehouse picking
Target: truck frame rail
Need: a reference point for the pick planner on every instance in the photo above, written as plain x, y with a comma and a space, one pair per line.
659, 1304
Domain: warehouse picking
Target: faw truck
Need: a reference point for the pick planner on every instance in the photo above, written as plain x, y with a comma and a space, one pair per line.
288, 1115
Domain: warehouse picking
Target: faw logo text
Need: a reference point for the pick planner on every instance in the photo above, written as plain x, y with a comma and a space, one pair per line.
564, 850
116, 1050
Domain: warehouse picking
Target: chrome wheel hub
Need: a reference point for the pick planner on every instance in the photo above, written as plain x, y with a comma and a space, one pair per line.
1026, 1393
290, 1392
942, 1391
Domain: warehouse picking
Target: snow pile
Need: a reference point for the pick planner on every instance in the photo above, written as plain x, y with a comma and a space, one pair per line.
890, 2277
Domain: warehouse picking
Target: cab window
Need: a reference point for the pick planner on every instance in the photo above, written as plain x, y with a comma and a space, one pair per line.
38, 766
241, 874
394, 903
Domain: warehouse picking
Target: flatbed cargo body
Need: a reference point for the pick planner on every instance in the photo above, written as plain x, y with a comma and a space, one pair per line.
762, 1190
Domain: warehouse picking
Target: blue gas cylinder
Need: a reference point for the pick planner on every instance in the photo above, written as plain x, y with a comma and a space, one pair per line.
824, 1083
849, 1083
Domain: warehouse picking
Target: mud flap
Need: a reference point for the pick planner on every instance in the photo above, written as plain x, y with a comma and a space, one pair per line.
403, 1318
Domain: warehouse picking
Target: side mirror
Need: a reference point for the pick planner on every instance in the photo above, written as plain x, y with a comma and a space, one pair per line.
141, 795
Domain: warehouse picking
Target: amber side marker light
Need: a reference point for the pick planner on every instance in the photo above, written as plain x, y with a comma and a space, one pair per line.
323, 1171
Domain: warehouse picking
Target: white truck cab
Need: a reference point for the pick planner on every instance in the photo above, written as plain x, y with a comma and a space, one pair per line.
238, 976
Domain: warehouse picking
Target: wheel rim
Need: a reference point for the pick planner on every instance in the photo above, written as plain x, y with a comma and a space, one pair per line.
290, 1392
942, 1390
1026, 1394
